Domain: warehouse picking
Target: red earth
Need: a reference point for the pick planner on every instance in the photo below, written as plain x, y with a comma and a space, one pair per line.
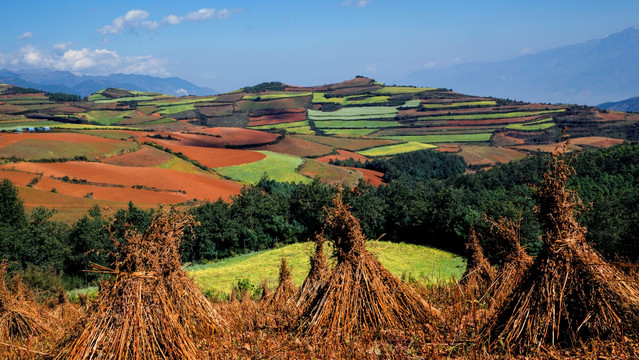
12, 138
147, 156
342, 155
296, 146
371, 176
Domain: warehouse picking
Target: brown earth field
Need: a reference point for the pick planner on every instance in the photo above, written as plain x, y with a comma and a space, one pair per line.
295, 146
12, 138
277, 117
491, 121
330, 174
284, 103
138, 196
10, 108
342, 155
504, 139
488, 155
189, 140
448, 148
234, 136
19, 178
370, 176
195, 186
219, 110
348, 143
218, 157
147, 156
355, 90
597, 141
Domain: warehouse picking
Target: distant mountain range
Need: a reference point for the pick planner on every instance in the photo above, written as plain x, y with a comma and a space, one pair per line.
588, 73
85, 85
628, 105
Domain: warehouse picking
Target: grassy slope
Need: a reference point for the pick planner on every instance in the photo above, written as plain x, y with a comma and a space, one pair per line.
420, 262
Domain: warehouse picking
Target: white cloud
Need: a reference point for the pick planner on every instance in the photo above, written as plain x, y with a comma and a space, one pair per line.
87, 61
527, 51
200, 15
26, 35
62, 45
356, 3
181, 92
430, 64
132, 20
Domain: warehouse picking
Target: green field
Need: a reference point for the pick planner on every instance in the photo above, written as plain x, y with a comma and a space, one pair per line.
411, 104
123, 99
273, 96
348, 132
396, 149
275, 166
542, 124
176, 109
107, 117
396, 90
513, 114
108, 134
178, 102
281, 125
460, 104
447, 138
354, 113
421, 263
354, 124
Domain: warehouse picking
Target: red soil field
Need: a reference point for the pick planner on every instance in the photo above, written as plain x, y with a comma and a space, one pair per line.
112, 193
448, 148
283, 103
276, 117
296, 146
147, 156
10, 109
12, 138
357, 82
348, 144
195, 186
17, 177
370, 176
506, 139
454, 100
342, 155
18, 96
230, 97
68, 110
189, 140
218, 157
233, 136
306, 89
611, 116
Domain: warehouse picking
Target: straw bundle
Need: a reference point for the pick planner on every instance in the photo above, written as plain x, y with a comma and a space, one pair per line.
317, 275
360, 294
478, 272
150, 308
570, 293
284, 295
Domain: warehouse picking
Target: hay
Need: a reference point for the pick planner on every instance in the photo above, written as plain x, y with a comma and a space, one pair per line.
478, 272
285, 295
317, 275
150, 308
360, 295
569, 294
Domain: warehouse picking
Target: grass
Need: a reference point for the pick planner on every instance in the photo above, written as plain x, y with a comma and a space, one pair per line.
355, 124
123, 99
178, 102
411, 104
175, 109
354, 113
330, 174
460, 104
279, 167
184, 166
396, 90
513, 114
396, 149
108, 134
281, 125
447, 138
37, 149
542, 124
273, 96
348, 132
419, 262
107, 117
303, 130
349, 144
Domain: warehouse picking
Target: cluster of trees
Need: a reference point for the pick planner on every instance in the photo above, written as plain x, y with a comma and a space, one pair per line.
428, 199
265, 86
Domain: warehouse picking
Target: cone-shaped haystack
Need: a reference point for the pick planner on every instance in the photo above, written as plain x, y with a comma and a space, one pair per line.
317, 275
478, 272
266, 292
569, 293
21, 318
360, 294
150, 308
284, 296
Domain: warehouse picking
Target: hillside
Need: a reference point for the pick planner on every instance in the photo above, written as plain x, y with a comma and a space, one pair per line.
587, 73
628, 105
120, 144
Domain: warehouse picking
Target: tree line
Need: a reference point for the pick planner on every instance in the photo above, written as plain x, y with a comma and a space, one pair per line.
428, 199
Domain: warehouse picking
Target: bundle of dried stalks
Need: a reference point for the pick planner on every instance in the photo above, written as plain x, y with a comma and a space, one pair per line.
284, 296
317, 275
478, 272
64, 311
570, 294
21, 318
150, 308
360, 295
266, 292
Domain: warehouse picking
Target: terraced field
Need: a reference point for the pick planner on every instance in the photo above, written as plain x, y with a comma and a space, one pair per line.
396, 149
274, 166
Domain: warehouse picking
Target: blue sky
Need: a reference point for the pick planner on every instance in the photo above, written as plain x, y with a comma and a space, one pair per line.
229, 44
